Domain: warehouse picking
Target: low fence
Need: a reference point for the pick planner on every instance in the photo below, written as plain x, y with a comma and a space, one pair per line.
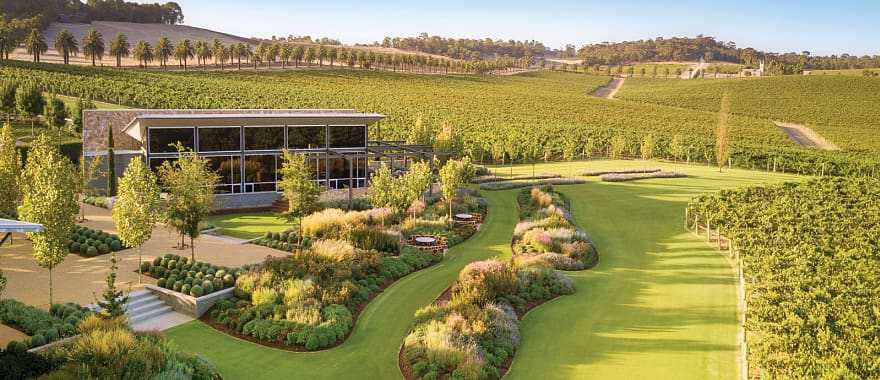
726, 246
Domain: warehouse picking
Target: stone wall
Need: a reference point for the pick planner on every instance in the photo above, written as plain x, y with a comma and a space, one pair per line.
186, 304
245, 201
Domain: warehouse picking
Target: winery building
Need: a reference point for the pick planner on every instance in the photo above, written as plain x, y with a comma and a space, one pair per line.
244, 146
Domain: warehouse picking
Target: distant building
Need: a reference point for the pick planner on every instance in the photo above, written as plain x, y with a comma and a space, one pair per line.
244, 146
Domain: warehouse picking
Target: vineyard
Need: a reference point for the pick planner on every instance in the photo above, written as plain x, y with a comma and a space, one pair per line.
543, 115
840, 108
812, 270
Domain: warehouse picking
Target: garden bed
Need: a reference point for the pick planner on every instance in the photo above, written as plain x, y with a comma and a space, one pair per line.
618, 177
547, 233
42, 327
176, 273
596, 173
494, 178
88, 242
509, 185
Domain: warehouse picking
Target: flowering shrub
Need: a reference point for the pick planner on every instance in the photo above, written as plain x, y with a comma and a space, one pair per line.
547, 233
473, 334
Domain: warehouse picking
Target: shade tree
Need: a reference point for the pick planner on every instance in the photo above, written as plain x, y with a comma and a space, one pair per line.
136, 209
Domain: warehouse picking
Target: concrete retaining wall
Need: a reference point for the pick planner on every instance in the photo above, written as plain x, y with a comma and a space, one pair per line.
186, 304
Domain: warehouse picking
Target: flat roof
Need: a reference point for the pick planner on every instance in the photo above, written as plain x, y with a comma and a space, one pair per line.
8, 225
186, 118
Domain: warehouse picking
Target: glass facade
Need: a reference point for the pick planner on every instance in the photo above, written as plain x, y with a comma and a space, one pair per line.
348, 136
162, 140
307, 137
263, 138
248, 158
222, 139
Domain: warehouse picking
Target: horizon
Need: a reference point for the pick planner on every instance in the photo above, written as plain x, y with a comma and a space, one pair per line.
816, 26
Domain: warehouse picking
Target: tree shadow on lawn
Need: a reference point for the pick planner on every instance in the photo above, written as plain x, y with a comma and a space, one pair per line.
659, 300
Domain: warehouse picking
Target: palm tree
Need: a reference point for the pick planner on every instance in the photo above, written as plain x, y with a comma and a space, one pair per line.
93, 45
320, 53
340, 55
202, 51
331, 53
184, 51
35, 44
119, 48
143, 52
298, 54
286, 51
164, 49
219, 52
309, 56
237, 51
66, 44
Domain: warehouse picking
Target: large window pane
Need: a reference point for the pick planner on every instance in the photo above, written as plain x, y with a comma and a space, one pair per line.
263, 138
219, 139
259, 172
338, 168
162, 139
306, 137
229, 169
347, 136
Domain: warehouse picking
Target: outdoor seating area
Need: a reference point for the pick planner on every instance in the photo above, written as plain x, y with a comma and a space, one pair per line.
429, 243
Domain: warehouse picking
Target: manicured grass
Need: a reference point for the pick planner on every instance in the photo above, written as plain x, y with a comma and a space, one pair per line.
659, 304
249, 225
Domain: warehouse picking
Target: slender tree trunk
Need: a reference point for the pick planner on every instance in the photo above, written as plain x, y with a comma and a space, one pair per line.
140, 261
50, 285
192, 249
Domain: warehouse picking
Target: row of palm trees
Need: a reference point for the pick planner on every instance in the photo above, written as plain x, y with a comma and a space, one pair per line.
265, 53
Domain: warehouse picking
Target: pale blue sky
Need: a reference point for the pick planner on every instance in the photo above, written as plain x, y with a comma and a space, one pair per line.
822, 27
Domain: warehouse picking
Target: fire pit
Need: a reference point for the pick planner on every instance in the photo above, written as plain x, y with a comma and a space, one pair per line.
425, 240
464, 216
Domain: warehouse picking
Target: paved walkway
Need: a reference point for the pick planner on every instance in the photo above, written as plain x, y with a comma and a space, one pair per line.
80, 279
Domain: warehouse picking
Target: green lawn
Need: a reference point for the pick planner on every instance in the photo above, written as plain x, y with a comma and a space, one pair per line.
659, 304
249, 225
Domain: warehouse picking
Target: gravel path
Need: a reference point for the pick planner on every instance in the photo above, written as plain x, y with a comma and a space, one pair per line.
805, 136
610, 89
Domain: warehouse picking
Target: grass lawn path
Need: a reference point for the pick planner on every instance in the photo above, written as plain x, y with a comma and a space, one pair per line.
371, 350
661, 304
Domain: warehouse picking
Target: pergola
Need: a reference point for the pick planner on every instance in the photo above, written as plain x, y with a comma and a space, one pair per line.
8, 226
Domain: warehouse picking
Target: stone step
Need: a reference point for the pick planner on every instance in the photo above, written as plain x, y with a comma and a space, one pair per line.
152, 313
138, 295
135, 303
135, 310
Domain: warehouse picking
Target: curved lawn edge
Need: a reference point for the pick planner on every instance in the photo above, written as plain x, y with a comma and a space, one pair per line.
371, 350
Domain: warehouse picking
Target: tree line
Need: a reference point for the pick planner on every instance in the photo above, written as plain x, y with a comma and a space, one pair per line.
265, 53
466, 48
710, 49
48, 11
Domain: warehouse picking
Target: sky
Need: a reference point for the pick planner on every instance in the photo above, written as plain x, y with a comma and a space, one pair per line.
820, 27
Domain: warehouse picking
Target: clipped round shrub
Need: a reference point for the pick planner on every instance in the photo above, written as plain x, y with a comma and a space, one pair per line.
200, 275
38, 340
183, 260
67, 328
220, 273
267, 235
283, 236
177, 285
228, 280
172, 264
157, 261
196, 291
52, 334
161, 283
74, 247
185, 288
219, 284
16, 346
191, 273
145, 266
91, 251
116, 245
164, 262
207, 286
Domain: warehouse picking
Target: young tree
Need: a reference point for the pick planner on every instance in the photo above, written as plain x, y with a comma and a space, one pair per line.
48, 187
450, 181
143, 53
189, 183
722, 142
647, 148
164, 50
113, 300
30, 102
415, 182
300, 189
676, 147
10, 168
93, 45
55, 112
383, 189
65, 44
111, 164
7, 96
119, 48
136, 208
35, 44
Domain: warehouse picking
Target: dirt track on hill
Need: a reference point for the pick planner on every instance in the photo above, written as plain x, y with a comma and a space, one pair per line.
805, 136
610, 89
